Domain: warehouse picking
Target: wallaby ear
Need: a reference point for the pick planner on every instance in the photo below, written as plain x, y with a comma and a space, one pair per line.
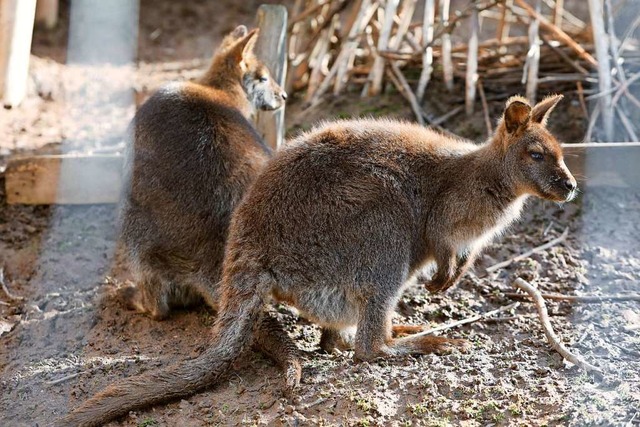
540, 112
242, 50
517, 113
240, 31
252, 38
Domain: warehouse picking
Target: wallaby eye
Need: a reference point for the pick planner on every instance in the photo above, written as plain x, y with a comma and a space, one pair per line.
263, 79
537, 156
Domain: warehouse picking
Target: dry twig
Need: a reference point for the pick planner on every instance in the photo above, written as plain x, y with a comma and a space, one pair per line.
5, 289
471, 319
580, 298
548, 330
527, 254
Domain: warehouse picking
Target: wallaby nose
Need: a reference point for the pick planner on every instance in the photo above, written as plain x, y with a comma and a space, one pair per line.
570, 184
284, 95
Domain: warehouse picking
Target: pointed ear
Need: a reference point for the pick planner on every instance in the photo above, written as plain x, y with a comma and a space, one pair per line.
240, 31
540, 113
243, 48
516, 114
252, 38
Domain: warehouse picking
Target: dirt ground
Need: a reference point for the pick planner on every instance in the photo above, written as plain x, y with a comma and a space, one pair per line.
69, 335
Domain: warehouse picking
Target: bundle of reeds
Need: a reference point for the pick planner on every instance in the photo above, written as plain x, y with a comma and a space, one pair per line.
498, 47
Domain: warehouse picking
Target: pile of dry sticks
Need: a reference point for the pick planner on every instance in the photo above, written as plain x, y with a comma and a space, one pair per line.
525, 46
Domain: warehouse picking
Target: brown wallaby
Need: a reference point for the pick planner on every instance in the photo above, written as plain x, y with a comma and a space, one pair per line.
193, 155
341, 218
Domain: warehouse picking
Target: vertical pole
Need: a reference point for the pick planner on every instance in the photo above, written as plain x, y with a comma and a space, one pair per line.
472, 63
604, 68
16, 30
271, 48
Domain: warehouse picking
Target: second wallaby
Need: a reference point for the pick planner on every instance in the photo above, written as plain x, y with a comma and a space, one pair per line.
192, 156
340, 220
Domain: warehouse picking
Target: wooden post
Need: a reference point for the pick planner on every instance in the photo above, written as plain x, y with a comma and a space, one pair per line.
16, 29
604, 69
533, 56
472, 63
428, 23
447, 61
47, 13
374, 85
271, 48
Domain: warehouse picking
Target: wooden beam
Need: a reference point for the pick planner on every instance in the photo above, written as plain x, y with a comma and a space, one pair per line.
16, 30
85, 179
94, 179
271, 48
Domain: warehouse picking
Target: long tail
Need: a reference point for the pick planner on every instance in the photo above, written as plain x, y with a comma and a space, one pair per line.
239, 317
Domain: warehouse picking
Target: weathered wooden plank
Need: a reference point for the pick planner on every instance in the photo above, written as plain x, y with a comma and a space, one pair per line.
64, 179
271, 48
91, 179
16, 29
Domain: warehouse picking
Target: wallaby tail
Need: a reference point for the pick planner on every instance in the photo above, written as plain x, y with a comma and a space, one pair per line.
239, 317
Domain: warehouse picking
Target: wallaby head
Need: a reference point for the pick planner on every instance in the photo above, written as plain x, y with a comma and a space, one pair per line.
235, 63
531, 153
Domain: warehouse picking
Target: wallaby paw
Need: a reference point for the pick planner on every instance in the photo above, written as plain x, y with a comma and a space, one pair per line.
437, 288
450, 345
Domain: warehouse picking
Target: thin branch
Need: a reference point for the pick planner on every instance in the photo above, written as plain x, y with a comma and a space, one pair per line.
548, 329
588, 299
5, 289
403, 87
527, 254
471, 319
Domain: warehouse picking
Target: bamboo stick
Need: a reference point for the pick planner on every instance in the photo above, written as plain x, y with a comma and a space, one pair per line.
472, 63
447, 62
345, 58
377, 71
427, 56
533, 56
561, 35
403, 87
557, 13
604, 69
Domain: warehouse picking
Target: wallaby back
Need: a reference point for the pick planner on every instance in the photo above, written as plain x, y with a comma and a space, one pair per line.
193, 154
345, 214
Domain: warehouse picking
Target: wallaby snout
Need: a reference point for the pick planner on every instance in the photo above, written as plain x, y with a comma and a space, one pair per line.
263, 91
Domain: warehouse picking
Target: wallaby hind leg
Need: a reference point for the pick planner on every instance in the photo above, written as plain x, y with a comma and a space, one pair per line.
332, 339
374, 336
273, 340
150, 296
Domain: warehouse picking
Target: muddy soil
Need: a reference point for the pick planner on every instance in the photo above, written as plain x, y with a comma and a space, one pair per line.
67, 335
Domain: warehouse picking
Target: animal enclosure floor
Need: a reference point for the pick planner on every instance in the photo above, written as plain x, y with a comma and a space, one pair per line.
70, 336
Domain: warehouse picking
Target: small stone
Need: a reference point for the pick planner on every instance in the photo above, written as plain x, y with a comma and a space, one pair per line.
289, 409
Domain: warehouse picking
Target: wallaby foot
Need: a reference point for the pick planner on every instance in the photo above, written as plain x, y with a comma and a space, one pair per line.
426, 344
143, 302
273, 340
332, 339
374, 337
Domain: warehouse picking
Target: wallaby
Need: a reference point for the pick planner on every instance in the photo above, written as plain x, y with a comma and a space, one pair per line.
341, 218
193, 155
194, 152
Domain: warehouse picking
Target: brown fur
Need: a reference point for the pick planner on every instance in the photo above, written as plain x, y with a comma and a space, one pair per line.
194, 153
341, 218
